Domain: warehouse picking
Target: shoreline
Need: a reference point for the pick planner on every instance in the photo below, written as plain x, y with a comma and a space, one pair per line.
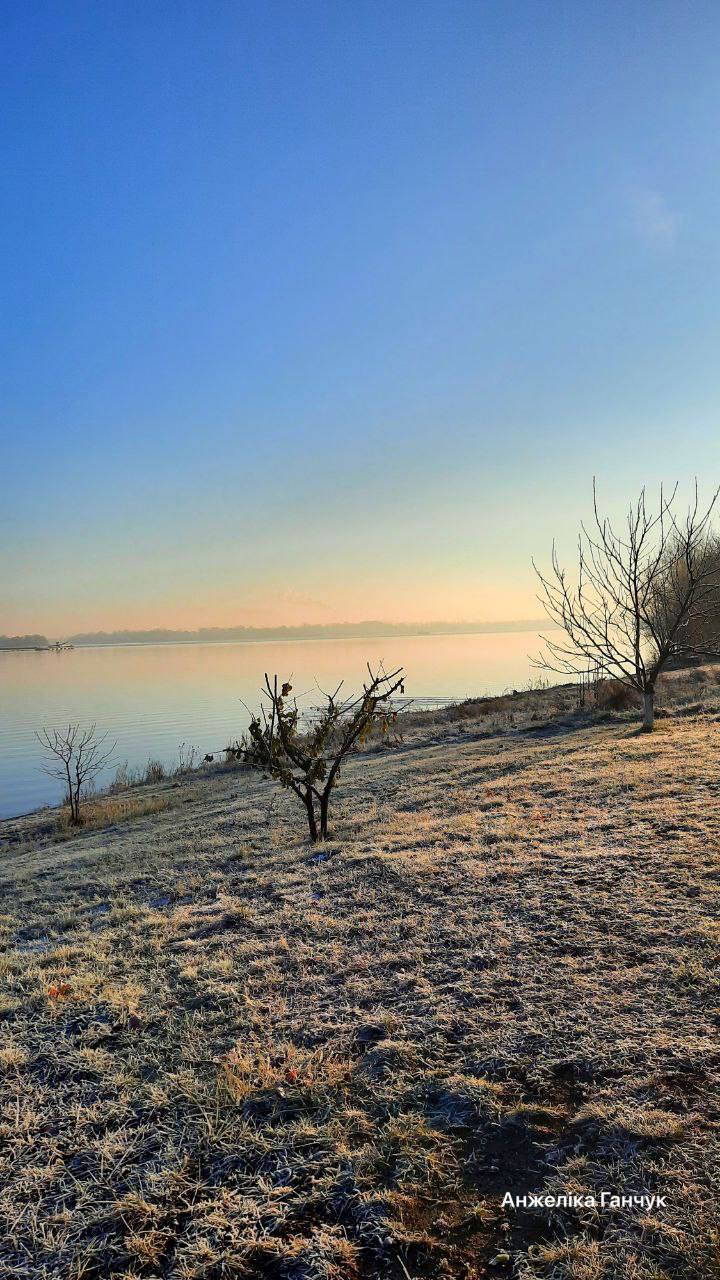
534, 712
280, 637
447, 712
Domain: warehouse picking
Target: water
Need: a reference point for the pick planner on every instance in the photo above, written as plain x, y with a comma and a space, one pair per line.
152, 698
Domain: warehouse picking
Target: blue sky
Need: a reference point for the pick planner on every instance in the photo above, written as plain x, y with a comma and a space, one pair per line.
314, 311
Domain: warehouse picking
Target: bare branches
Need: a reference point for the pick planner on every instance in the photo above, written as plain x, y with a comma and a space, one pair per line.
76, 756
639, 597
306, 755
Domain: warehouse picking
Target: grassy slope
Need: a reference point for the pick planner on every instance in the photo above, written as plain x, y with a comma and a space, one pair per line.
221, 1059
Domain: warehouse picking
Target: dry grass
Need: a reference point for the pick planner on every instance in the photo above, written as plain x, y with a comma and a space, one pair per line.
106, 810
223, 1058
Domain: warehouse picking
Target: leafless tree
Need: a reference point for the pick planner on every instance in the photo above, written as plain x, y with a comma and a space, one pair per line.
76, 756
305, 755
639, 598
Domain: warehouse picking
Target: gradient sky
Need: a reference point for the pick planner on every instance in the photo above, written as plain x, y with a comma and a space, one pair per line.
324, 311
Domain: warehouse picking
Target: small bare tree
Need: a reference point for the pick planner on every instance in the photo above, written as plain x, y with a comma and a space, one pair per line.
76, 756
639, 597
306, 756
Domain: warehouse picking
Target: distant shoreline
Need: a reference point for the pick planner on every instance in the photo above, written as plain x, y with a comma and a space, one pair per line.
262, 635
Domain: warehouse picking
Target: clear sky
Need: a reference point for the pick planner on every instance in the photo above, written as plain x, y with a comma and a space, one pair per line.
325, 311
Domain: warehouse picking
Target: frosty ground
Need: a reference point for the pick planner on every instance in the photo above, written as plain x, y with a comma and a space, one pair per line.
227, 1053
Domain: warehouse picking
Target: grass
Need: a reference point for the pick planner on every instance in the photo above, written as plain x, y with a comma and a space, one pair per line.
221, 1057
106, 810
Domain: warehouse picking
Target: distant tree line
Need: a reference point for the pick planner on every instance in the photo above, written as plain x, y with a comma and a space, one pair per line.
23, 642
304, 631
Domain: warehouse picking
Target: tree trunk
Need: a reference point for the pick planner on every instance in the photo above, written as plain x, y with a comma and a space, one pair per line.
311, 818
72, 801
70, 794
648, 710
324, 804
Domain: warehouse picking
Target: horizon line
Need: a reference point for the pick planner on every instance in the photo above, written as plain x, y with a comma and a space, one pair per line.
285, 629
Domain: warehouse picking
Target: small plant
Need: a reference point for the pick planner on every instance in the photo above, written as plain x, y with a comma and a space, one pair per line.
77, 756
187, 758
124, 778
155, 771
306, 757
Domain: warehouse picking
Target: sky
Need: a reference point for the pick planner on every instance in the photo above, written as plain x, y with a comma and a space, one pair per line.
316, 312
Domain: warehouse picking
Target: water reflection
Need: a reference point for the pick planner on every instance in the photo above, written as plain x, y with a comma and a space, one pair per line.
154, 697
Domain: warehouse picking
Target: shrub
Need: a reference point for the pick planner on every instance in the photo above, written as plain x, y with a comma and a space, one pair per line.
306, 755
613, 695
155, 771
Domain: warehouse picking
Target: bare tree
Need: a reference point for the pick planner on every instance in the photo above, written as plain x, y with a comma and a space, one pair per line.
640, 595
76, 756
306, 755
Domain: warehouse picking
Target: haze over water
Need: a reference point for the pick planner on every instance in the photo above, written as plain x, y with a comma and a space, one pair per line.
152, 698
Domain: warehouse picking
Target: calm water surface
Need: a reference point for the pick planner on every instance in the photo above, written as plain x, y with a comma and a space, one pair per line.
152, 698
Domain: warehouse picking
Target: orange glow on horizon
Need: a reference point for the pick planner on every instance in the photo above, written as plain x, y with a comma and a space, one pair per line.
284, 608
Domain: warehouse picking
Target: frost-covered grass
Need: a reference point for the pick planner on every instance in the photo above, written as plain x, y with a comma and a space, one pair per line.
221, 1057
